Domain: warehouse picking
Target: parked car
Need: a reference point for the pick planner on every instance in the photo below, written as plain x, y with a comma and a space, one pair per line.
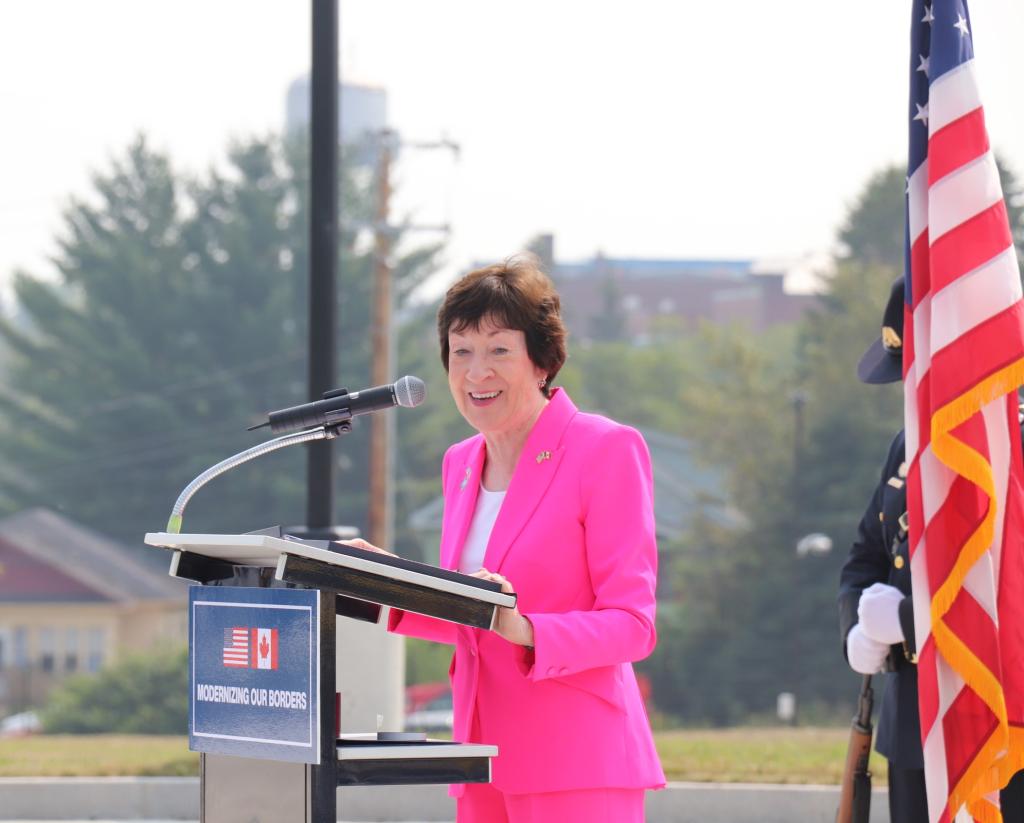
428, 707
20, 725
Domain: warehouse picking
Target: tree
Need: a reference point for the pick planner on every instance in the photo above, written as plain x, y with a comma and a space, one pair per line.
610, 323
144, 694
801, 442
874, 229
178, 317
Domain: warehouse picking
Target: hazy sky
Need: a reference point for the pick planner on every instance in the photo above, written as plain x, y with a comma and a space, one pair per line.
640, 128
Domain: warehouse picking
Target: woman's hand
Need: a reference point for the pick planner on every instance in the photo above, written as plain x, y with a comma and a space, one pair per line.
510, 624
359, 543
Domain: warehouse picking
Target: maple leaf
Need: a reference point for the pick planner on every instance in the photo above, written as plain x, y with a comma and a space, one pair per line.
264, 647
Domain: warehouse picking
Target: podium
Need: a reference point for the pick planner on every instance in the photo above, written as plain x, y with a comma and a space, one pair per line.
262, 640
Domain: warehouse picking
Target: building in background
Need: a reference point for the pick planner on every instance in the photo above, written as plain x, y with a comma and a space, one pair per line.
362, 110
73, 601
638, 300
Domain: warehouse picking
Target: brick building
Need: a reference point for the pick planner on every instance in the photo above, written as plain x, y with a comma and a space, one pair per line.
635, 299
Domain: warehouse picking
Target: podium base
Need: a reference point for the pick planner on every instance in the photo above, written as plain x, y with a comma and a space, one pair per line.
245, 790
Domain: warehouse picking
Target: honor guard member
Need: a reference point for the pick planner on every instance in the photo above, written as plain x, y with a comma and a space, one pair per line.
876, 614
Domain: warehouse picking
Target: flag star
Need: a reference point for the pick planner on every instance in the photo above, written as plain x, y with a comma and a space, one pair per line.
961, 23
928, 16
922, 113
924, 64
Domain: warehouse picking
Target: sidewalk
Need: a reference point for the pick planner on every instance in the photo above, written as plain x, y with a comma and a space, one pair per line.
167, 799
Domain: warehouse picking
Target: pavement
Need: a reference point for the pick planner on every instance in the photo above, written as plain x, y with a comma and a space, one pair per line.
163, 800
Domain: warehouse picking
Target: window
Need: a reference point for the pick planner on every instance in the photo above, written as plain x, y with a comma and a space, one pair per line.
47, 649
20, 651
71, 650
95, 642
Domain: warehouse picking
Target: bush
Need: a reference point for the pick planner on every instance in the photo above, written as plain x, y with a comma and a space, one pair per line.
142, 694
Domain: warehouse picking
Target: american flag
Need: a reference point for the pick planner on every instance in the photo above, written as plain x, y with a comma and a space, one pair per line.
236, 648
963, 361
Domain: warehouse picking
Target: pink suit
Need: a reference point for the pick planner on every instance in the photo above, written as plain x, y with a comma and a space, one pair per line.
575, 536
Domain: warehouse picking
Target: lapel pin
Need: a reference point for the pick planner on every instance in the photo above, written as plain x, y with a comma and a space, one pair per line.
542, 456
465, 479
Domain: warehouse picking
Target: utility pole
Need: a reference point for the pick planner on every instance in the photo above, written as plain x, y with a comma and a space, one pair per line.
382, 496
382, 431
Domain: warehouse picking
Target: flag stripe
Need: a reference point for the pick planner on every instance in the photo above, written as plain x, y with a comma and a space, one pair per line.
967, 618
967, 726
951, 525
936, 780
982, 352
952, 95
961, 194
958, 143
936, 480
980, 295
971, 245
917, 193
927, 682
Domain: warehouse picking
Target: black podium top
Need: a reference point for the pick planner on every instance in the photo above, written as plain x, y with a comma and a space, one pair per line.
364, 575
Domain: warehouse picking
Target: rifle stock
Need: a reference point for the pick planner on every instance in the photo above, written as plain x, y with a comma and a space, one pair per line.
855, 795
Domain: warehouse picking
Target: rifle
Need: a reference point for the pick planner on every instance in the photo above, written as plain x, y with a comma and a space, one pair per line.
855, 797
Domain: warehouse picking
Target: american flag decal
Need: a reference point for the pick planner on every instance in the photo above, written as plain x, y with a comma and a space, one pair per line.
963, 362
236, 648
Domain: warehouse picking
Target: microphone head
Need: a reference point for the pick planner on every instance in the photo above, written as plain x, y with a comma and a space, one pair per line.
410, 391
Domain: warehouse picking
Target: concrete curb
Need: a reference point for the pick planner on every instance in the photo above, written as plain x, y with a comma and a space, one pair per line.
113, 798
177, 798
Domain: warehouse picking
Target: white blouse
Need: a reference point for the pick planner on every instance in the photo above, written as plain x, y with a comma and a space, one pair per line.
488, 504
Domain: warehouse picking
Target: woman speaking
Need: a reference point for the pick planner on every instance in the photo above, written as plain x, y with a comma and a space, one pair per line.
556, 505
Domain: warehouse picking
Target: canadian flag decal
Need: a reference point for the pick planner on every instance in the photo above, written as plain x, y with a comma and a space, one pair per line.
264, 648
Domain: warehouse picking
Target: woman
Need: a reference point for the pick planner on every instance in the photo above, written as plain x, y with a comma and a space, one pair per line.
556, 505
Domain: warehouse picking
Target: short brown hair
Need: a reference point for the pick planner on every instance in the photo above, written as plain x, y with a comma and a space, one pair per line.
515, 294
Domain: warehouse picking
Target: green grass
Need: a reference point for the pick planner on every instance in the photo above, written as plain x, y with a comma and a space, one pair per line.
100, 755
742, 755
759, 755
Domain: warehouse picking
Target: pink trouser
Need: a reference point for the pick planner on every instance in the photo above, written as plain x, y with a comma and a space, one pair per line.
482, 803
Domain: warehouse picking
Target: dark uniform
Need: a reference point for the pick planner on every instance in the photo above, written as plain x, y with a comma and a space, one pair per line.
880, 554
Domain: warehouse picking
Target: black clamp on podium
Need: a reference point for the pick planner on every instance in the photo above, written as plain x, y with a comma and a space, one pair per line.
262, 642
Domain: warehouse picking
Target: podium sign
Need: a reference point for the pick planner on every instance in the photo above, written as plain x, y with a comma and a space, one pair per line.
254, 668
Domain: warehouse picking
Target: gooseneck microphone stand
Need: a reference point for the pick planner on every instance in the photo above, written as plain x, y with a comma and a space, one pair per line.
329, 432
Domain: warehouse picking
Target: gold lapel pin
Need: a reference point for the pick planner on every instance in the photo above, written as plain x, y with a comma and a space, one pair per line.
542, 456
465, 480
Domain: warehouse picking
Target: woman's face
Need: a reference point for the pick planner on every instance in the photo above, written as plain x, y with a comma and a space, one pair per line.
495, 384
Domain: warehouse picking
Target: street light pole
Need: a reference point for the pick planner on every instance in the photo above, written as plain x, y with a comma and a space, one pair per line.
323, 251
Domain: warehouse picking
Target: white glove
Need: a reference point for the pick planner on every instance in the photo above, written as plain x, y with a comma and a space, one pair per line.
866, 656
879, 613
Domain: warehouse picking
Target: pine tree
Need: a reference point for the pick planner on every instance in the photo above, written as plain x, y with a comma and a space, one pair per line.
178, 318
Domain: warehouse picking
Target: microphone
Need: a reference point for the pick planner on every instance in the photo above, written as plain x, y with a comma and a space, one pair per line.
340, 405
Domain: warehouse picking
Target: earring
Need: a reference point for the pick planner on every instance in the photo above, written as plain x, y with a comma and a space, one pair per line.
541, 383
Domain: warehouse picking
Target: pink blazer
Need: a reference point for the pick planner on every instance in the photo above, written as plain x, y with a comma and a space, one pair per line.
575, 536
